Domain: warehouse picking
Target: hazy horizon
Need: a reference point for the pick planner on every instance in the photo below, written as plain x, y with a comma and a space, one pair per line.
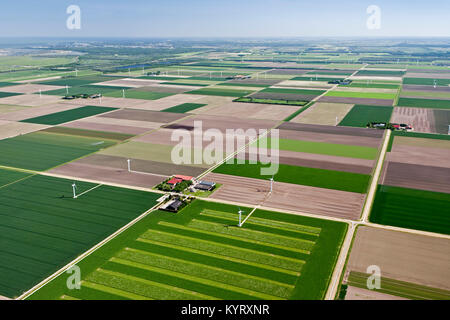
230, 19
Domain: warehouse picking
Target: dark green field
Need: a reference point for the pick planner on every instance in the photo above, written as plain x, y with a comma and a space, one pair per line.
426, 81
424, 103
8, 84
185, 107
69, 115
361, 115
442, 121
8, 176
86, 89
78, 81
8, 94
372, 85
43, 227
138, 94
320, 178
41, 151
414, 209
199, 253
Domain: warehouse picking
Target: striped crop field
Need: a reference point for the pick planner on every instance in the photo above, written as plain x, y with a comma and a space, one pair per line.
201, 253
43, 227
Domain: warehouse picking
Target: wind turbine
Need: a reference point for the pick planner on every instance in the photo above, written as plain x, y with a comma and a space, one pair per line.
74, 189
271, 184
240, 217
129, 165
123, 93
67, 89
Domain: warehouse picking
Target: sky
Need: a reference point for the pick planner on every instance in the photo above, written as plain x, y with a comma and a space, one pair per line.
225, 18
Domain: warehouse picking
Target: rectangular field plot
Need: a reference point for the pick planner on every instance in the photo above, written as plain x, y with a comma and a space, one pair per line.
221, 92
85, 89
410, 208
424, 103
362, 95
185, 107
69, 115
41, 151
138, 94
314, 177
361, 115
43, 228
426, 81
414, 266
78, 81
200, 253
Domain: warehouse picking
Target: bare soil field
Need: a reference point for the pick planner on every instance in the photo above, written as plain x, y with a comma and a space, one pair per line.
354, 293
422, 120
402, 256
373, 90
307, 199
290, 71
158, 168
31, 100
422, 142
223, 123
375, 78
417, 177
305, 84
282, 96
253, 110
167, 102
430, 75
372, 102
412, 87
9, 129
5, 108
331, 130
255, 81
36, 112
111, 175
146, 125
324, 114
320, 161
164, 89
105, 127
420, 155
107, 102
30, 88
144, 115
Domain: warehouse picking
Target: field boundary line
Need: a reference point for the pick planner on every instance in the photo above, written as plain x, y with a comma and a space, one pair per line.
87, 253
16, 181
83, 193
376, 177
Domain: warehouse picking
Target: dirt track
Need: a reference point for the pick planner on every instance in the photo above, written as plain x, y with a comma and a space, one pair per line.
288, 196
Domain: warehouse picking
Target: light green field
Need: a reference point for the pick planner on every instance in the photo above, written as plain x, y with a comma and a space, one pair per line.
331, 149
365, 95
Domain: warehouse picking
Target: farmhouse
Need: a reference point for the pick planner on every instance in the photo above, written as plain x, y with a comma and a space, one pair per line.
205, 186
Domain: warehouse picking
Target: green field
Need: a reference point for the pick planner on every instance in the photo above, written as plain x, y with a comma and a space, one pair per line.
43, 227
221, 92
371, 85
243, 84
272, 101
410, 208
320, 178
331, 72
8, 84
427, 81
200, 253
85, 89
69, 115
331, 149
89, 133
8, 94
424, 103
78, 81
363, 95
41, 151
380, 73
400, 288
138, 94
361, 115
185, 107
9, 176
